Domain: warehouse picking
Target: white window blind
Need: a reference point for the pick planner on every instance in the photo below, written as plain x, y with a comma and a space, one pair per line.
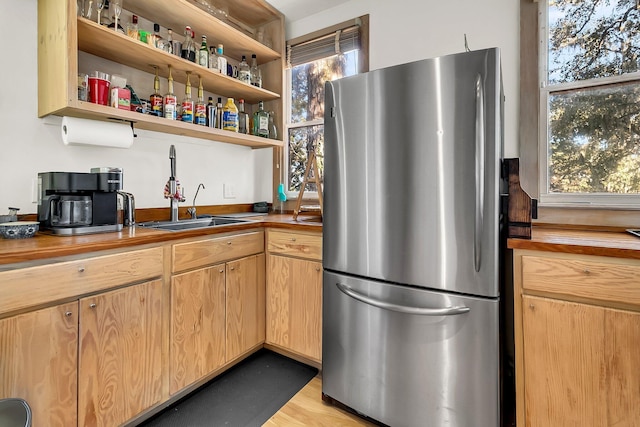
331, 44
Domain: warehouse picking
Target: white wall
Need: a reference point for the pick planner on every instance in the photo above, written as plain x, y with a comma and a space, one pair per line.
408, 30
29, 145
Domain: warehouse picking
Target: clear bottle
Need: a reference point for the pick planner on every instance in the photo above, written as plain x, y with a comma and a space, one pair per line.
213, 59
219, 114
187, 105
256, 73
211, 113
170, 101
222, 61
132, 28
155, 98
244, 72
273, 130
158, 41
243, 118
188, 47
170, 41
261, 121
230, 116
203, 53
201, 108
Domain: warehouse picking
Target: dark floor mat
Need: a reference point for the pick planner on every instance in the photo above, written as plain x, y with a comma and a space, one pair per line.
246, 395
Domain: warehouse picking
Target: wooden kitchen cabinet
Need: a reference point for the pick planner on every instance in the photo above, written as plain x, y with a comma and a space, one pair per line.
62, 34
120, 354
197, 325
38, 359
577, 325
294, 293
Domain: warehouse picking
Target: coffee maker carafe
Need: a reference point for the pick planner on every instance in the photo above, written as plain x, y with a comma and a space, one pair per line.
71, 203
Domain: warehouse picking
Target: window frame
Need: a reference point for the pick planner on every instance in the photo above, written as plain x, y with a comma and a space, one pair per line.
571, 200
363, 66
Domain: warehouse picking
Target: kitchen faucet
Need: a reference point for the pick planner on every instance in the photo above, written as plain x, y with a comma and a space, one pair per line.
192, 210
173, 190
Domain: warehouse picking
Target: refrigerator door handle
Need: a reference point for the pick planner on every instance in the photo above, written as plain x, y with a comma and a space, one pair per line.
479, 166
424, 311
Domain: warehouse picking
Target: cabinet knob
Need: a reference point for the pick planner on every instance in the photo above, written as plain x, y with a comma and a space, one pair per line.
232, 268
81, 269
92, 305
532, 307
317, 268
228, 243
293, 239
587, 271
221, 270
68, 313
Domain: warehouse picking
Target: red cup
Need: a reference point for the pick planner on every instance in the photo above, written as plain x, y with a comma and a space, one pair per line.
99, 91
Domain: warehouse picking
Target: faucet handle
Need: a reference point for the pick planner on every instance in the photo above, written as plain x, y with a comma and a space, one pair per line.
192, 212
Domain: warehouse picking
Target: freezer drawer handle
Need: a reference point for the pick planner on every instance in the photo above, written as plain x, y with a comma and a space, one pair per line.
445, 311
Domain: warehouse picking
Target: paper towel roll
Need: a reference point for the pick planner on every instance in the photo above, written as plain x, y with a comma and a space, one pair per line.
77, 131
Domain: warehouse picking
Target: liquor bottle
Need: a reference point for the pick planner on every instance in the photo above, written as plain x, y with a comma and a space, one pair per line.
256, 73
203, 53
201, 107
213, 59
230, 116
187, 105
170, 41
273, 130
219, 114
170, 101
243, 118
261, 121
222, 61
188, 48
156, 98
158, 41
211, 113
244, 72
132, 28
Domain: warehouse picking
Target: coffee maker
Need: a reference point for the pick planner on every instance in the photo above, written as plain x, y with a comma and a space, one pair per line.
71, 203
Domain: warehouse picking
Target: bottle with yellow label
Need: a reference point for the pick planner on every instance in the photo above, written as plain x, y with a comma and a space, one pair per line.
230, 116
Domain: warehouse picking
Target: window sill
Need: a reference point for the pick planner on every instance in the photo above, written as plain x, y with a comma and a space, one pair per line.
582, 215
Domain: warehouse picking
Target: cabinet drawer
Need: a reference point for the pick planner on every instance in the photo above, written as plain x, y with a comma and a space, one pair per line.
296, 244
32, 286
210, 251
582, 278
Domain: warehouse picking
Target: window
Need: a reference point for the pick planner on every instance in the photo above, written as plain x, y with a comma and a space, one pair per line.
330, 55
590, 102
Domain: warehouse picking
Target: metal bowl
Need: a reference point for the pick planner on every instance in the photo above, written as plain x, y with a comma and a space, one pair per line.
19, 229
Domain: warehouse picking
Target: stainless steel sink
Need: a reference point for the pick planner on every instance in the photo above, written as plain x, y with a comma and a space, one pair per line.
192, 224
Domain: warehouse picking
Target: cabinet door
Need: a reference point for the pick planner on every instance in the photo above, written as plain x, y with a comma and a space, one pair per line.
120, 354
580, 364
197, 325
294, 305
38, 360
245, 305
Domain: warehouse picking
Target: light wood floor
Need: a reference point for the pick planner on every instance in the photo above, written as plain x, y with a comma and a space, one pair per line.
307, 408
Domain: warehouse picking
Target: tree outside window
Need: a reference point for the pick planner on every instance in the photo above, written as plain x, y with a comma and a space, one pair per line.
591, 97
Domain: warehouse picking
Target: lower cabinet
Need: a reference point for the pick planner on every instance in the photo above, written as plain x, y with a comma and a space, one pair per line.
120, 355
38, 360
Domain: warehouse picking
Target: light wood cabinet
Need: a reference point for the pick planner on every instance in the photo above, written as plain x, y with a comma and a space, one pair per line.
294, 293
38, 360
62, 35
577, 324
120, 366
197, 325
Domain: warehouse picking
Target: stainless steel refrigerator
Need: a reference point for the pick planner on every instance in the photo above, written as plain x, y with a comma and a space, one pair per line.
411, 250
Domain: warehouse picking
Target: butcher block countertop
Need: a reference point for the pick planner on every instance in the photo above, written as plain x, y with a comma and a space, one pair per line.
43, 245
618, 244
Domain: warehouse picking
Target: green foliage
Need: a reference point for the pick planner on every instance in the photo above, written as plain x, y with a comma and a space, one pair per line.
594, 139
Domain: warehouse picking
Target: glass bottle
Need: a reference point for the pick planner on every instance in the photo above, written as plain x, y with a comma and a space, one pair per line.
256, 73
243, 118
230, 116
170, 41
170, 101
222, 61
203, 53
188, 48
219, 114
244, 73
213, 59
201, 107
261, 121
158, 41
211, 113
273, 130
156, 98
187, 105
132, 28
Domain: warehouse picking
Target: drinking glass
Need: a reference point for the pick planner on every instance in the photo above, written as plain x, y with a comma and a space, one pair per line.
117, 9
100, 5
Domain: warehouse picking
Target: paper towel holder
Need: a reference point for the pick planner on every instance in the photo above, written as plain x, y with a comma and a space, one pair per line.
133, 131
